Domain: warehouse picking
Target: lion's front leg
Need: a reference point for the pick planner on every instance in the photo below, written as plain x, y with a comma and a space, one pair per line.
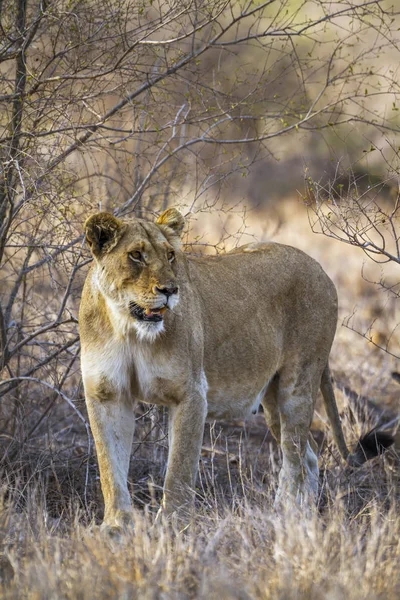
186, 429
112, 422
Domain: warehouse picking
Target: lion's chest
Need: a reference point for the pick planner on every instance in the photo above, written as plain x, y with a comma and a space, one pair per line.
155, 380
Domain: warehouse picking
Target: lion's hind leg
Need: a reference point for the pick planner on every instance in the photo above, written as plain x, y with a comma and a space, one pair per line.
299, 476
271, 409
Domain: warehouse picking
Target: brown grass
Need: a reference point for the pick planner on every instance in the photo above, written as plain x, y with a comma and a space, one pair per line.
237, 547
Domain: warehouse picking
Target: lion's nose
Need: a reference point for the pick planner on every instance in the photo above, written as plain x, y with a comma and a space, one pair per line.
168, 291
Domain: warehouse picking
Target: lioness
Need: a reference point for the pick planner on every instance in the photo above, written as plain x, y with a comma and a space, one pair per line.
208, 337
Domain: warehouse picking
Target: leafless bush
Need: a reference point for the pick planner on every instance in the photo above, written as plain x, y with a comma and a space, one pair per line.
363, 215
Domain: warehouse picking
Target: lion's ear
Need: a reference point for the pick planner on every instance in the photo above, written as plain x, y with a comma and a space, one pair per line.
173, 219
103, 232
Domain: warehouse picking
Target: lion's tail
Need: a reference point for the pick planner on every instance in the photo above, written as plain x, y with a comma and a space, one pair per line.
370, 445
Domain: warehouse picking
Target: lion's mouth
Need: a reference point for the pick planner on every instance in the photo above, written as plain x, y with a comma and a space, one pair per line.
153, 315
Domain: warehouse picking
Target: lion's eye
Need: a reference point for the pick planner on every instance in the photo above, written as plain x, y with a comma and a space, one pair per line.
171, 256
136, 256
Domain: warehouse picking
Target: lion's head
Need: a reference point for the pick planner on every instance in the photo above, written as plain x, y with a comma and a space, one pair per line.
136, 266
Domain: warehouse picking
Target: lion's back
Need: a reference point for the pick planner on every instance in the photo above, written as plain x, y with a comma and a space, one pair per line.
266, 289
267, 269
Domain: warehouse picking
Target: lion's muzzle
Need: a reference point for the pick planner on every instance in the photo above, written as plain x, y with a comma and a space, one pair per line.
167, 297
148, 315
167, 291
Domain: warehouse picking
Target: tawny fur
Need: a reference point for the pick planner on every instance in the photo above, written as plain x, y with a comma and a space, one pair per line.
253, 325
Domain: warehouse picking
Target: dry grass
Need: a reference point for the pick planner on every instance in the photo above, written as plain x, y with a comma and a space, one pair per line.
238, 547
